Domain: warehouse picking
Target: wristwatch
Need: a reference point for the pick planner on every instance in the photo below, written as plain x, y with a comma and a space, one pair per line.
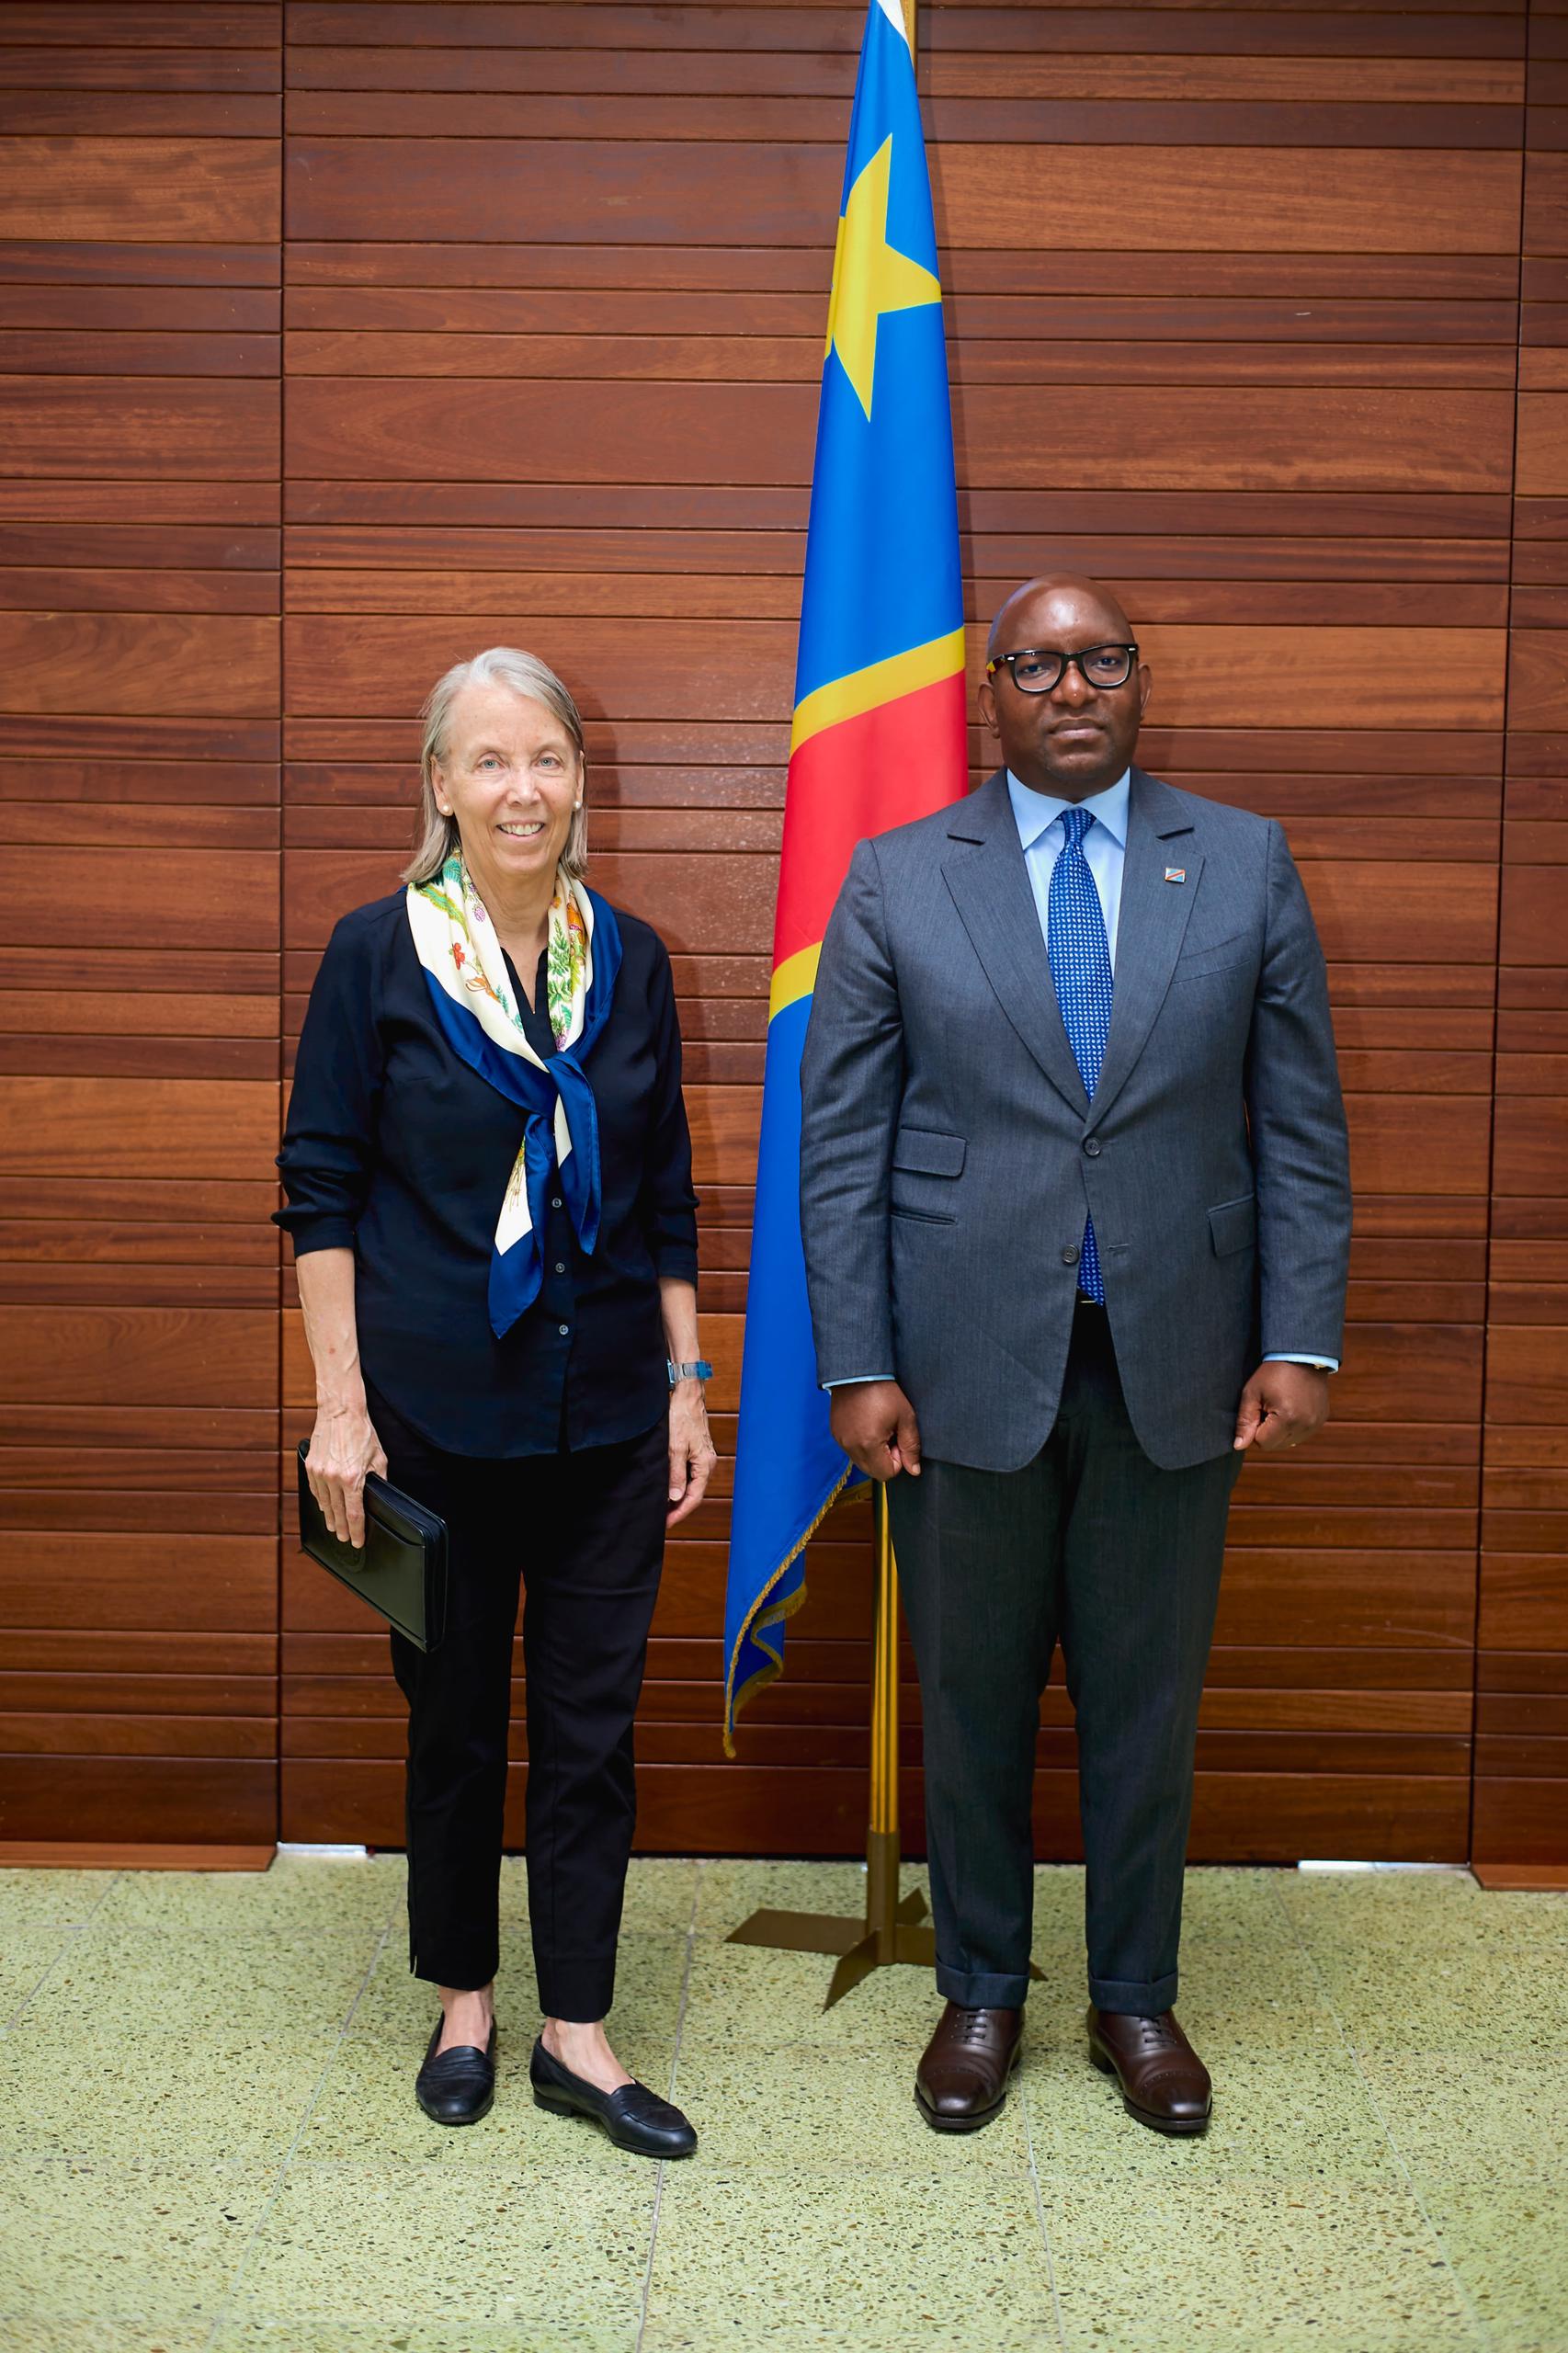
697, 1369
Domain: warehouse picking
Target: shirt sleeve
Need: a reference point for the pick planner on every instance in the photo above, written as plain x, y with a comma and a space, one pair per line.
669, 1202
329, 1140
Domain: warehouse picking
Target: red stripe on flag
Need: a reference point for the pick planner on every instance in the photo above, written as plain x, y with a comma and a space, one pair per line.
902, 760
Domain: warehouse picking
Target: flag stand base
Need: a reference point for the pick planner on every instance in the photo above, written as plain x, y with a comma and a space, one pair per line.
891, 1931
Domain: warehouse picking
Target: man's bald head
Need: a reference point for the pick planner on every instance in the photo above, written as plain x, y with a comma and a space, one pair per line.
1043, 587
1076, 738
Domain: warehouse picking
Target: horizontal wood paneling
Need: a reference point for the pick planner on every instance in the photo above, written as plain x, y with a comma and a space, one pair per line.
1175, 437
139, 404
338, 74
1291, 346
142, 1582
769, 1810
1014, 117
193, 665
152, 190
103, 1128
206, 1801
160, 1356
137, 430
548, 281
1185, 199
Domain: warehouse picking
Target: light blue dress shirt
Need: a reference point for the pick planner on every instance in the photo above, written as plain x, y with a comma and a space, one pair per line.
1038, 817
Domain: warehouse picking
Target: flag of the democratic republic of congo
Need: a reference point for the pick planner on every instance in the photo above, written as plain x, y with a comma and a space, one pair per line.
878, 738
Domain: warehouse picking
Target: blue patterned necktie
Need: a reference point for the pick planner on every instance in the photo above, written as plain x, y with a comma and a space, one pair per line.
1080, 966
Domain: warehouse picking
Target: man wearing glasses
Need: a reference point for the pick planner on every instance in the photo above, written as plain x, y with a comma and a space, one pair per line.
1077, 1209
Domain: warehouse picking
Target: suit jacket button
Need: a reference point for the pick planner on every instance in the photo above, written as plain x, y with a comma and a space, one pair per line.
1092, 1146
1069, 1255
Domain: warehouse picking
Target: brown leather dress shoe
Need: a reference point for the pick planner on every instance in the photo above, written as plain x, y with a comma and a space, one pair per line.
1164, 2082
962, 2080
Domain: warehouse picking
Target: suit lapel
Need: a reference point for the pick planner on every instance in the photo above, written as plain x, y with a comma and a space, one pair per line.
985, 873
1153, 921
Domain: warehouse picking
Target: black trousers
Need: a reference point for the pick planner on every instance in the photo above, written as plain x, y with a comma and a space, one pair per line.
1093, 1545
585, 1531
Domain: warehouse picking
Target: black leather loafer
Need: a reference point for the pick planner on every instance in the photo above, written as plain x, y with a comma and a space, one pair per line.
634, 2117
458, 2087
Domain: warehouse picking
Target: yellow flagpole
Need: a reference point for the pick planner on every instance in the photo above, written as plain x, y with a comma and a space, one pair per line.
881, 1836
892, 1930
909, 23
884, 1681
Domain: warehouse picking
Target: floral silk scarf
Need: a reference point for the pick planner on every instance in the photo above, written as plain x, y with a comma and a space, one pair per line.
466, 972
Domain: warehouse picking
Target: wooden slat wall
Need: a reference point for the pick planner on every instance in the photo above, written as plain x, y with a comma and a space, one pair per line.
140, 364
1233, 297
1521, 1750
1234, 301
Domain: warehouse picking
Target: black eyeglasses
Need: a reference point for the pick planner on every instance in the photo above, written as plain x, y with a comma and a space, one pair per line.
1037, 668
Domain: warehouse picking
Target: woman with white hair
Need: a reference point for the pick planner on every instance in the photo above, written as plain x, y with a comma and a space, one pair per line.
488, 1174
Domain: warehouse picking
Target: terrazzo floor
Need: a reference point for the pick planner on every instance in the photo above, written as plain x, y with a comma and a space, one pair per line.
209, 2139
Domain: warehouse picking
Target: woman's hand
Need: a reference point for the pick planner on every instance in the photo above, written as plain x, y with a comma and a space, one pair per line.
344, 1447
692, 1454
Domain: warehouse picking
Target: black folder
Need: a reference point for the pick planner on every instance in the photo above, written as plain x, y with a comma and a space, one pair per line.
402, 1569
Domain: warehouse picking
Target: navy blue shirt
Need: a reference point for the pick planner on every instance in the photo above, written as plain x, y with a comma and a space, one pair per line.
396, 1150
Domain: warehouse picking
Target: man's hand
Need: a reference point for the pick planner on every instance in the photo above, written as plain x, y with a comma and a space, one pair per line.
874, 1422
1281, 1405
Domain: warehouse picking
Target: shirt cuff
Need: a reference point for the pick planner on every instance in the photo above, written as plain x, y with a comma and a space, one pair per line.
1323, 1364
322, 1232
675, 1260
852, 1380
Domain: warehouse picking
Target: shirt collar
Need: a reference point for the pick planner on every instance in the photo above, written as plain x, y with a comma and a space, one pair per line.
1035, 812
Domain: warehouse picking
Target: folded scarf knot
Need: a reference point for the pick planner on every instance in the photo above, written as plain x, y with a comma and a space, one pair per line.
465, 970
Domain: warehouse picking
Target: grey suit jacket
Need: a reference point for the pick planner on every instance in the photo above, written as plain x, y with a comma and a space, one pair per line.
949, 1153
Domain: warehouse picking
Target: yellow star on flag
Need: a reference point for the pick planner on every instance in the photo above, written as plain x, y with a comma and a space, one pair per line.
870, 277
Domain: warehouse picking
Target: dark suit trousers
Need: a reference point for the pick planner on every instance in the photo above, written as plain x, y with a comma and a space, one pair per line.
1093, 1545
586, 1531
